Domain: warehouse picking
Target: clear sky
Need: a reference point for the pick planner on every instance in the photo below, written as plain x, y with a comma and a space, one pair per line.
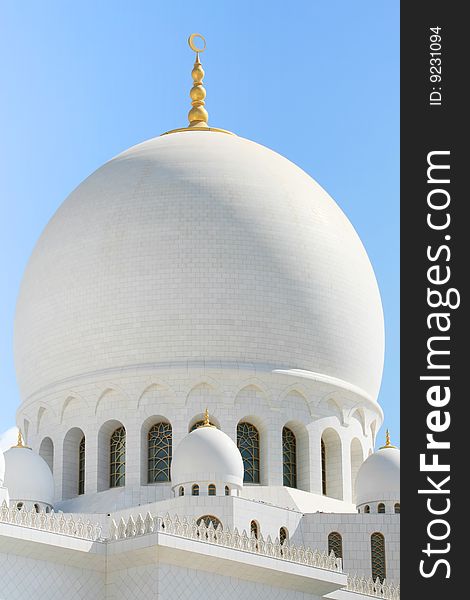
316, 80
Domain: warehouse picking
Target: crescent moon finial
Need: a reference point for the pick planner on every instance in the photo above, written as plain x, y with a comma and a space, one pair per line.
192, 43
197, 116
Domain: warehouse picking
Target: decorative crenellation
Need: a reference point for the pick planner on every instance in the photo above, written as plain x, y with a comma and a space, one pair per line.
51, 522
369, 587
190, 529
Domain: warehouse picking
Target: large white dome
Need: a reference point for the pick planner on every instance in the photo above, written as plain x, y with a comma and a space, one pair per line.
199, 246
207, 455
28, 477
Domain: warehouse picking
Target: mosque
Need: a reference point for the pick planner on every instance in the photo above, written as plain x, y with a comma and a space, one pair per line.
199, 346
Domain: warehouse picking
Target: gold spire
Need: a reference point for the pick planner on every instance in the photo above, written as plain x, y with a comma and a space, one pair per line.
206, 422
388, 444
20, 443
197, 116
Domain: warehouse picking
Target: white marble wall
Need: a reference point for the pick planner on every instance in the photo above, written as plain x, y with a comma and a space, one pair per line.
356, 531
137, 400
172, 582
25, 578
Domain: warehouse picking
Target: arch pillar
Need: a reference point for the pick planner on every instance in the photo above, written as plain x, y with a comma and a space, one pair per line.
133, 453
314, 446
346, 462
91, 461
271, 462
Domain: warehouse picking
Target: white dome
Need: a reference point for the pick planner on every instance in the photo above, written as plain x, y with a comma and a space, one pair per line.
378, 478
207, 455
28, 477
199, 246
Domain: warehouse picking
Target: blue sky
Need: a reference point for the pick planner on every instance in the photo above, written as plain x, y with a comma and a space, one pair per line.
316, 81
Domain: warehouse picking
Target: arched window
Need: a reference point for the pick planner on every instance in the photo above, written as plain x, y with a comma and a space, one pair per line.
227, 490
19, 506
377, 548
289, 458
356, 458
46, 451
36, 508
323, 468
117, 445
381, 508
332, 463
254, 529
248, 444
208, 519
73, 463
181, 491
335, 544
81, 466
211, 490
195, 490
367, 509
283, 535
397, 508
159, 453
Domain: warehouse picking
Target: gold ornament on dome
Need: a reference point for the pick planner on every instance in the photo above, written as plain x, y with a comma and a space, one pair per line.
388, 444
198, 116
20, 443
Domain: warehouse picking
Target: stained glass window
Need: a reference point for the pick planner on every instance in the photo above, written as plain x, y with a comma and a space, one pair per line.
211, 489
323, 468
81, 467
335, 543
289, 458
195, 490
159, 452
377, 548
248, 444
117, 471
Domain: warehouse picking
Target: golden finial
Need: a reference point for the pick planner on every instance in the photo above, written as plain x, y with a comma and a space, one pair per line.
388, 444
19, 443
198, 115
206, 422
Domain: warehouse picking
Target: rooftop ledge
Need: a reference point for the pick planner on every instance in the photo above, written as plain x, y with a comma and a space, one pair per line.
154, 538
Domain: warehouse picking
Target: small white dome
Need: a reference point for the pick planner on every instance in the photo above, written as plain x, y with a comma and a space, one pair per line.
28, 477
378, 478
207, 455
